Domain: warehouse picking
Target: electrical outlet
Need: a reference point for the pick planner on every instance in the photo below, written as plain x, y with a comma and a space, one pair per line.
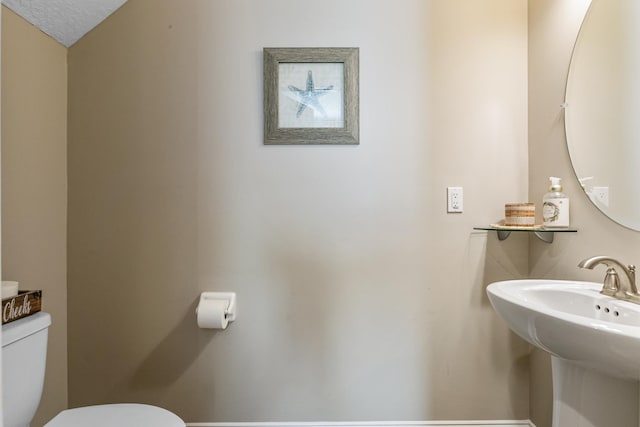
601, 194
454, 199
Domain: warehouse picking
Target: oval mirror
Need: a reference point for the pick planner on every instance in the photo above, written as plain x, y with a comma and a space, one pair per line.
602, 115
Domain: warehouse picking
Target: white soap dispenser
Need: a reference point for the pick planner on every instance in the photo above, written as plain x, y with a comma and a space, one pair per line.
555, 205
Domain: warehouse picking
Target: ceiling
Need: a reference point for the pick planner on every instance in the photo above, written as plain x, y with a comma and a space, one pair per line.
64, 20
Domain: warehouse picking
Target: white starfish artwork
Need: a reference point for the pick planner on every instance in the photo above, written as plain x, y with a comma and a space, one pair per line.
309, 97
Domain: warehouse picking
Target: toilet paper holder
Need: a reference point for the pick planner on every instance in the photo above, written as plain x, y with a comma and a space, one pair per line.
230, 297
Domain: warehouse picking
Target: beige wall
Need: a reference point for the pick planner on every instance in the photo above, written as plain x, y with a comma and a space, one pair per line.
34, 184
359, 297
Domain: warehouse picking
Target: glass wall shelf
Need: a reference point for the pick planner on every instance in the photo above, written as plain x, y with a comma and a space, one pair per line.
544, 234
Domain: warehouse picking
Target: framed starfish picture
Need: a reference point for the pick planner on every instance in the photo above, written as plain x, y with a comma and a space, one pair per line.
311, 96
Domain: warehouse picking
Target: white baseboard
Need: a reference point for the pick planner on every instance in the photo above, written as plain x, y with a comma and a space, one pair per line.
499, 423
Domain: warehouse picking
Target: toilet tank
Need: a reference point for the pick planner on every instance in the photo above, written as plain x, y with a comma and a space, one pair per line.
24, 354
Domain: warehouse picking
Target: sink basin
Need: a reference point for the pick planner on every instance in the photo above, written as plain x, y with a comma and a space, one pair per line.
594, 342
573, 321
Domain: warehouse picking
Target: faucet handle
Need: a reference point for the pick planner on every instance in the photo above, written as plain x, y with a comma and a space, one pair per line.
632, 273
632, 278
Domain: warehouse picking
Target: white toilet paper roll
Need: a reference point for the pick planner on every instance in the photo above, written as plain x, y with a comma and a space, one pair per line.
211, 314
9, 289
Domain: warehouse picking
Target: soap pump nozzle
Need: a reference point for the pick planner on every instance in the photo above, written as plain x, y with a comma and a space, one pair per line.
555, 184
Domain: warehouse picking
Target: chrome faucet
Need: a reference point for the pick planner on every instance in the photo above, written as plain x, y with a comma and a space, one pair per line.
621, 289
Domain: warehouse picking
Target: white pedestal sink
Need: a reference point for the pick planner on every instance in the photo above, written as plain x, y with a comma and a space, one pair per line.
594, 342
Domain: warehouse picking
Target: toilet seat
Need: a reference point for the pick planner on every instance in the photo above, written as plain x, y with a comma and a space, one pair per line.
116, 415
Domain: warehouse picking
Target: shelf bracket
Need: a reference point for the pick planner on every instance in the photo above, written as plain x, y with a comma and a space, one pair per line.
503, 234
545, 237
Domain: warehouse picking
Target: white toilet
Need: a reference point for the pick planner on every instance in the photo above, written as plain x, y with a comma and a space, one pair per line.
24, 351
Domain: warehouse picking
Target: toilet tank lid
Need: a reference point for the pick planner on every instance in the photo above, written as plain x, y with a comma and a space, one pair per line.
21, 328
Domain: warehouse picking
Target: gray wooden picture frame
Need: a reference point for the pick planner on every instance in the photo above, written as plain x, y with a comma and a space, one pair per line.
348, 132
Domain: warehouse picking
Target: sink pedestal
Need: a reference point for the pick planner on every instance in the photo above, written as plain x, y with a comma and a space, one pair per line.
587, 398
